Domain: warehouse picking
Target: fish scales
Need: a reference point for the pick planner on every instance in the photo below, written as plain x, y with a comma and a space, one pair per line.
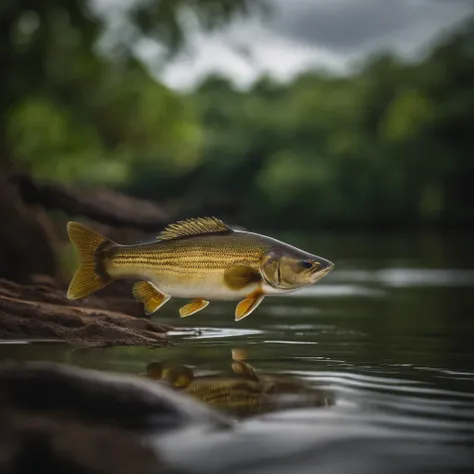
193, 253
225, 393
193, 264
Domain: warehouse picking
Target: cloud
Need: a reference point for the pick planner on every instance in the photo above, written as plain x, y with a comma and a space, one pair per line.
243, 54
302, 34
354, 25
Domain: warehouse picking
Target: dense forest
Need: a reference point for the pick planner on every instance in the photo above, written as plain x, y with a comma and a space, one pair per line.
391, 144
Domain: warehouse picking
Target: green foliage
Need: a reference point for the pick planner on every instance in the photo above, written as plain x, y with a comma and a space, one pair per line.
390, 144
70, 113
132, 119
406, 116
49, 52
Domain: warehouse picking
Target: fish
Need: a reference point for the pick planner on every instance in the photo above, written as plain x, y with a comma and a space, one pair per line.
201, 259
242, 392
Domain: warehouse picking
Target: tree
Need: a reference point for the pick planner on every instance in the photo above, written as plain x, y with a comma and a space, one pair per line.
51, 66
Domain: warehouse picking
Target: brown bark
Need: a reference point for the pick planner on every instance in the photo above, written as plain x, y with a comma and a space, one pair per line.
27, 239
99, 204
29, 243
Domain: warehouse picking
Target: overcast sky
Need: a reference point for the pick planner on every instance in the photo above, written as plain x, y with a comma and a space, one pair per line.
329, 34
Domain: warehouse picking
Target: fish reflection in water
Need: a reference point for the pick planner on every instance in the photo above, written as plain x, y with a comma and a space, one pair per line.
241, 392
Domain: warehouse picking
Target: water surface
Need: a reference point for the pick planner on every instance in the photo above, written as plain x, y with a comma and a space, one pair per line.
388, 334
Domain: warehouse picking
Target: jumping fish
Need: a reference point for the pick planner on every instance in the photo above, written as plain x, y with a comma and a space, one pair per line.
201, 259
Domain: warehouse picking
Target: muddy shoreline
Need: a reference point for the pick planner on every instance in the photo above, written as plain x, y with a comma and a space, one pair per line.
40, 311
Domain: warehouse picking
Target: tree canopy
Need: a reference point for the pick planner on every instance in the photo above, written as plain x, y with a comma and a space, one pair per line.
389, 144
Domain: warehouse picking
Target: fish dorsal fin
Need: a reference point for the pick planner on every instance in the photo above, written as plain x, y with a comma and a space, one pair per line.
194, 226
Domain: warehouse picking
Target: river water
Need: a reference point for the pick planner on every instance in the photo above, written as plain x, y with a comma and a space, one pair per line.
387, 338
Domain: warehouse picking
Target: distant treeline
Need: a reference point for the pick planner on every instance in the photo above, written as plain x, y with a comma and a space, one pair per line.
390, 145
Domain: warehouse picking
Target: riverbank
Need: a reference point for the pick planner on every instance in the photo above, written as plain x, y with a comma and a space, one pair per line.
40, 311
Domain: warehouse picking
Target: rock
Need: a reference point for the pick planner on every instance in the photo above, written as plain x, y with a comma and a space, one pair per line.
41, 311
115, 297
66, 419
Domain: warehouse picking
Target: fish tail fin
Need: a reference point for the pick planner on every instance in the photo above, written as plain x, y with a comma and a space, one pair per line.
91, 274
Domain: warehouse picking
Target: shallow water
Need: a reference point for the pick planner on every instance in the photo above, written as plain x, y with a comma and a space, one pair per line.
388, 336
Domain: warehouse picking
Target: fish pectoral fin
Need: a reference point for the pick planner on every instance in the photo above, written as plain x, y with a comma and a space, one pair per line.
246, 306
239, 276
147, 294
192, 307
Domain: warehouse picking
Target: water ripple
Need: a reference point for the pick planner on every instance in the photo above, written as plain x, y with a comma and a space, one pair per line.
408, 277
212, 333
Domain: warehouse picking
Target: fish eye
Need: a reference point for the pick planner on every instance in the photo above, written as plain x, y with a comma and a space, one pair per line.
307, 263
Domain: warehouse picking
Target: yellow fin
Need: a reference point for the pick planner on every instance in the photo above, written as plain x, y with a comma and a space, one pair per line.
147, 294
179, 376
194, 226
239, 276
192, 307
91, 274
249, 304
239, 354
241, 368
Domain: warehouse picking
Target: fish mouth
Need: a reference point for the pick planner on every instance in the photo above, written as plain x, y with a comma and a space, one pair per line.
322, 272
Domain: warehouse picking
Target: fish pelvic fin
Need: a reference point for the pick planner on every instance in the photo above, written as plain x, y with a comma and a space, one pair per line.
91, 274
249, 304
192, 308
152, 299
